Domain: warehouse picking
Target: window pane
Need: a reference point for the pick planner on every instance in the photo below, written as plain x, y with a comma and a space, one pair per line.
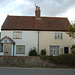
54, 50
17, 35
14, 35
1, 47
58, 35
61, 35
50, 50
20, 49
55, 36
20, 35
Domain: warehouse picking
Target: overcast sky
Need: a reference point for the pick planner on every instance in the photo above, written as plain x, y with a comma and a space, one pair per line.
49, 8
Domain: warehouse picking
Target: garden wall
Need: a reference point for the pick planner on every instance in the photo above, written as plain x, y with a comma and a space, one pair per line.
24, 61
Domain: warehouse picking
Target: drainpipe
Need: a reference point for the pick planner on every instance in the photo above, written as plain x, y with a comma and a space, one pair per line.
13, 49
38, 42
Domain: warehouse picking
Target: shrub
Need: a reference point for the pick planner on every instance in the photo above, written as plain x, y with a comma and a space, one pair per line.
73, 49
43, 52
65, 59
33, 52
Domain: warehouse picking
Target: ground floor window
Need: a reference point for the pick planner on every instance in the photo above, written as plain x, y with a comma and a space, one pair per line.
1, 47
54, 50
20, 49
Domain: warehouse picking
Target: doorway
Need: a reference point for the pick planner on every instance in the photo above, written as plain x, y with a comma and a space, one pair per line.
66, 50
7, 49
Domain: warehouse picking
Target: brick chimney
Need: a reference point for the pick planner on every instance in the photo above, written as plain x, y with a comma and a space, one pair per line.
37, 12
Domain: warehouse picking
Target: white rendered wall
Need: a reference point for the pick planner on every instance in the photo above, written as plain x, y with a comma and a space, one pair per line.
29, 39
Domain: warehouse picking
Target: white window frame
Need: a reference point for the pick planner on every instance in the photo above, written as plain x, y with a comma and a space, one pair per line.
17, 35
58, 35
19, 48
54, 50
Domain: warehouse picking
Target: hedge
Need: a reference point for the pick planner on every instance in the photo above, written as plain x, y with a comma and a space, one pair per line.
65, 59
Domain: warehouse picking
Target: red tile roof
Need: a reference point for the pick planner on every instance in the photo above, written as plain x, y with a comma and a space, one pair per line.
33, 23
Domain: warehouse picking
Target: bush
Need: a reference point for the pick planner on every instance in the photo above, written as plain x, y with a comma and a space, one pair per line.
43, 52
33, 52
73, 49
65, 59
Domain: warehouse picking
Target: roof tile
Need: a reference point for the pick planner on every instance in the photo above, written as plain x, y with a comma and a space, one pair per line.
33, 23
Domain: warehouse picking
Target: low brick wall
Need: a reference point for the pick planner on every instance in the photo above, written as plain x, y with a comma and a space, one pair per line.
27, 61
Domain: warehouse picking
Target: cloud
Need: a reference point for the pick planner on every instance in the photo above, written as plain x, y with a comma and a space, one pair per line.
4, 3
55, 7
27, 7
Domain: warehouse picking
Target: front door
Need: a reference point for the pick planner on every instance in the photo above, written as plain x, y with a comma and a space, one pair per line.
7, 49
66, 49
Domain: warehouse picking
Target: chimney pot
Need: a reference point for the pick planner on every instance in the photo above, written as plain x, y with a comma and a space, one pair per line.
37, 12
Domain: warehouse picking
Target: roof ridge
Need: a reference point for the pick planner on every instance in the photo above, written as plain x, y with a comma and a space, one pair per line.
35, 17
19, 16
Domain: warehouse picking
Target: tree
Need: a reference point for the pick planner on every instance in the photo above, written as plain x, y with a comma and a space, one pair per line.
73, 49
72, 34
72, 30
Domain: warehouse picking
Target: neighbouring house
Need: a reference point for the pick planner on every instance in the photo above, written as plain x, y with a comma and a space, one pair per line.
19, 34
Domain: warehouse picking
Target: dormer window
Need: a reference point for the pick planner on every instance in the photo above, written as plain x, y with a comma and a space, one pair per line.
17, 35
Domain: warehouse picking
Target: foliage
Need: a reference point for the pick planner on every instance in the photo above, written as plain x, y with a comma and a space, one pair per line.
65, 59
43, 52
72, 30
33, 52
73, 49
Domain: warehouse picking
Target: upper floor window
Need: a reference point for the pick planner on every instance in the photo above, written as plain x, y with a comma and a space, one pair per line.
17, 35
58, 36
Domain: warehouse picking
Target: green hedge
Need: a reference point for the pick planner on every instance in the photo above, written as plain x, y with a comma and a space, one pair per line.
65, 59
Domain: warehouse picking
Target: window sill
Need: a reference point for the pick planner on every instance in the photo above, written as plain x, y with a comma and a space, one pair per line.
58, 39
17, 38
20, 53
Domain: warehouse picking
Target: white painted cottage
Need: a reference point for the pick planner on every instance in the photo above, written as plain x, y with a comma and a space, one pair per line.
19, 34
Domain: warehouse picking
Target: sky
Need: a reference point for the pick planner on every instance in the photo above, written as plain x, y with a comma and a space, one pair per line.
49, 8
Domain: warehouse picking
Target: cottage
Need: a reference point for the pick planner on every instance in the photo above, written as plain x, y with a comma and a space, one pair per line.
19, 34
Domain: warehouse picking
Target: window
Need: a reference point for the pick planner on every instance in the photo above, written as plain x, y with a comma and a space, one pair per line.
17, 35
58, 36
20, 49
54, 50
1, 48
74, 35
